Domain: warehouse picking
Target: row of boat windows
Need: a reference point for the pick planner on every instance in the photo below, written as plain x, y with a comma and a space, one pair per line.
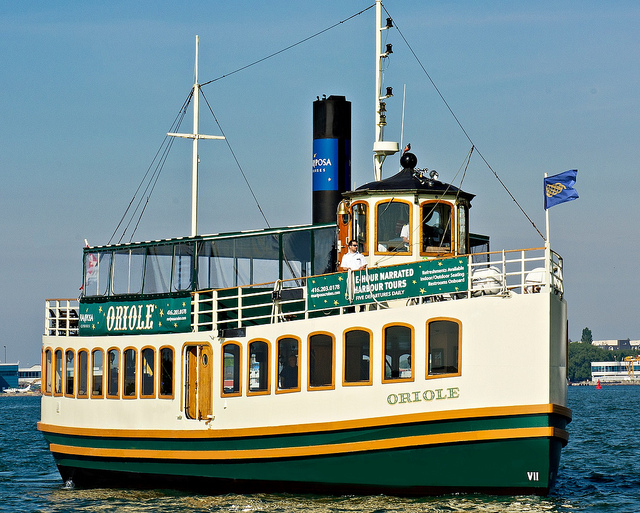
83, 374
70, 374
443, 358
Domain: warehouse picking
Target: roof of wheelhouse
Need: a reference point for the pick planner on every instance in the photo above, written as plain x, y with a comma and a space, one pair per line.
412, 180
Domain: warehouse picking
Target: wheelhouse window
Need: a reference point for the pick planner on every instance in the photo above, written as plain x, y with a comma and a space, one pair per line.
166, 373
83, 364
113, 373
321, 361
359, 233
357, 357
148, 372
47, 371
258, 367
393, 227
57, 390
443, 348
436, 227
69, 373
97, 373
288, 368
129, 378
463, 232
398, 351
231, 378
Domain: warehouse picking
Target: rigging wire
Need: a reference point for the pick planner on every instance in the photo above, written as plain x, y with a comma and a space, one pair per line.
288, 47
237, 161
159, 160
167, 142
461, 126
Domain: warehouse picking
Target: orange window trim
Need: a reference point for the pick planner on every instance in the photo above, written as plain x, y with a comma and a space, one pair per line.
332, 386
452, 374
413, 353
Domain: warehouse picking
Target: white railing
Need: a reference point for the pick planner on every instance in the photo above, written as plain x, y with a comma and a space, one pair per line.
523, 271
61, 317
502, 273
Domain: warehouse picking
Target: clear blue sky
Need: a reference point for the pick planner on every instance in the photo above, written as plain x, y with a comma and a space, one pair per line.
89, 89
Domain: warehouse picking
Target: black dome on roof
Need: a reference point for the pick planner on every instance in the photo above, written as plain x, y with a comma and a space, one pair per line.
410, 180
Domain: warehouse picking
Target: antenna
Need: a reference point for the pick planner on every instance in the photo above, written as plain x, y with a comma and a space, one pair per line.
381, 148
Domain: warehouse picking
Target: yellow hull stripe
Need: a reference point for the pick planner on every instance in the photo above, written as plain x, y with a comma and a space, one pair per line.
317, 450
203, 433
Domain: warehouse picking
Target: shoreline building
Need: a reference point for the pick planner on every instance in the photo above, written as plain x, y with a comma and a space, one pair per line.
8, 375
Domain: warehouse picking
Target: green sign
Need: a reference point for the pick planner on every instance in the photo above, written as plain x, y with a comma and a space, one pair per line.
426, 278
170, 315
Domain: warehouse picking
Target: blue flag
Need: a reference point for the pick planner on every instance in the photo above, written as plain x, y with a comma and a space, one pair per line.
559, 188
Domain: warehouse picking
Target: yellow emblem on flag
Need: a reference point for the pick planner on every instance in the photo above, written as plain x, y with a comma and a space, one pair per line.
554, 188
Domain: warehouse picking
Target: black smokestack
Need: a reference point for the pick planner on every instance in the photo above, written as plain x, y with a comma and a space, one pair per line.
331, 156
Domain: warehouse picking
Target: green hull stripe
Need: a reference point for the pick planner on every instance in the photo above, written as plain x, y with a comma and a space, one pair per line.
316, 450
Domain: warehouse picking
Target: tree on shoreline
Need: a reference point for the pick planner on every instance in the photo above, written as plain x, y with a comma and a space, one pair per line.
582, 354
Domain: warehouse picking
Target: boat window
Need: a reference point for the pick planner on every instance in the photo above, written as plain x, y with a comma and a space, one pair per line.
97, 270
357, 357
359, 231
436, 227
231, 369
182, 266
443, 348
463, 233
113, 372
129, 378
166, 372
57, 390
47, 372
259, 366
83, 379
296, 248
69, 373
148, 359
157, 269
393, 228
398, 349
321, 361
128, 268
288, 368
97, 373
324, 244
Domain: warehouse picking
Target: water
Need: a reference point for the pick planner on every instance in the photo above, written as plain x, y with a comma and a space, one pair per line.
600, 472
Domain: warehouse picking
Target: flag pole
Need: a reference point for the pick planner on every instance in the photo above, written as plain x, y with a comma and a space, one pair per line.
546, 218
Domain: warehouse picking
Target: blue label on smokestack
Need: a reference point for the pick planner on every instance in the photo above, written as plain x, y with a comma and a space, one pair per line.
325, 165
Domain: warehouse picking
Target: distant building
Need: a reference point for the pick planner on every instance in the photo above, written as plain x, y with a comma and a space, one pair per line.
29, 375
614, 344
8, 375
615, 371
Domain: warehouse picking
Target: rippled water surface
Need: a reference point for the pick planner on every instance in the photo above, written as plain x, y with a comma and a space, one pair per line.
600, 472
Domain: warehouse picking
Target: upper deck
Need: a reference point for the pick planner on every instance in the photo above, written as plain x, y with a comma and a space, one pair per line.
229, 310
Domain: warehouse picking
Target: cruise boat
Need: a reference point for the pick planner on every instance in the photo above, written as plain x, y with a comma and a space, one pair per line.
249, 362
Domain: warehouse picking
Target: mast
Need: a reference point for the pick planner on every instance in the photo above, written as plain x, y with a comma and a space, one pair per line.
196, 136
381, 148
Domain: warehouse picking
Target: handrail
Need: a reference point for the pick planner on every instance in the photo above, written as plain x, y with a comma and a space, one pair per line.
504, 273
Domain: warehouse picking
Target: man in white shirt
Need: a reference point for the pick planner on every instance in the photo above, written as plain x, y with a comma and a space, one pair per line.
353, 259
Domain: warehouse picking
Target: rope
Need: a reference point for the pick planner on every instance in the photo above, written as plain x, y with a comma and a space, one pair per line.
288, 47
462, 127
237, 161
